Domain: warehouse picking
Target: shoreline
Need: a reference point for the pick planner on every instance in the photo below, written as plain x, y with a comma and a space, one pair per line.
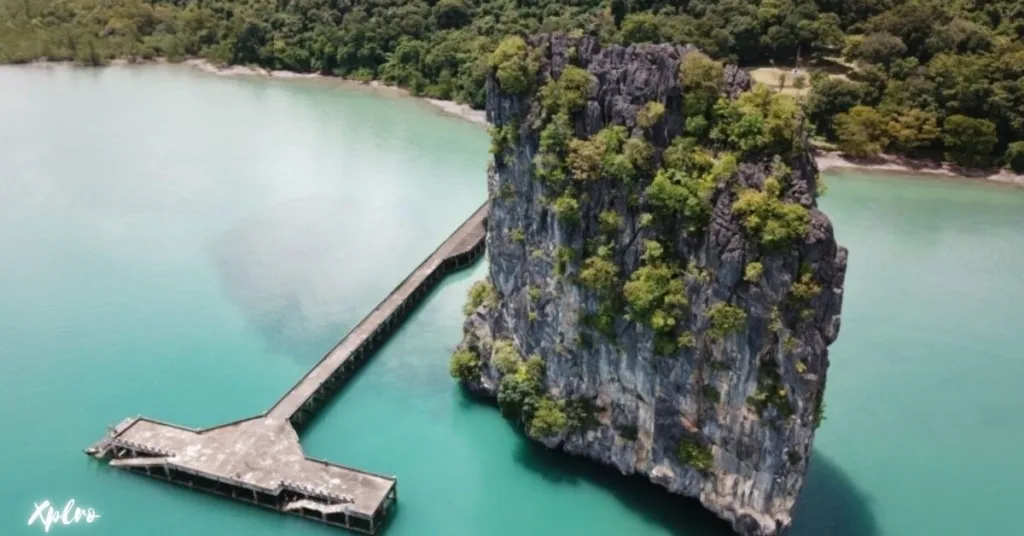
885, 163
826, 160
452, 108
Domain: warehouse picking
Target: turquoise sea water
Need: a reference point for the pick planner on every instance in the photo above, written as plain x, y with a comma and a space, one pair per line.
185, 246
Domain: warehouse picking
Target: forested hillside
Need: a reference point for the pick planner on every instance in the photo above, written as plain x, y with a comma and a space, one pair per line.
917, 77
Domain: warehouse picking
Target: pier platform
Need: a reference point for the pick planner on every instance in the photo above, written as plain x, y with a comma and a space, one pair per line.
260, 459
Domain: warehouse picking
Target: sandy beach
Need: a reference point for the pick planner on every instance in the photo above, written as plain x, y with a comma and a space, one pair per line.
897, 164
463, 111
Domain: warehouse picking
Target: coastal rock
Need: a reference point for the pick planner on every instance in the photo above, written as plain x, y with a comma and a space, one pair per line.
726, 416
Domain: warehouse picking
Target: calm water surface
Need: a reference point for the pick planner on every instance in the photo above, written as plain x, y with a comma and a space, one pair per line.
185, 246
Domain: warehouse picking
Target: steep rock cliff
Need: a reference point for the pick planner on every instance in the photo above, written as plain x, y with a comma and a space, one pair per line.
662, 287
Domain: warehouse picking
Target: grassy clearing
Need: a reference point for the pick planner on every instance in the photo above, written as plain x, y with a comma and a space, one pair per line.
787, 79
784, 80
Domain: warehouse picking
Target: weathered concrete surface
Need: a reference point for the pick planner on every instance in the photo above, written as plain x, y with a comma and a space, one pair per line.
258, 453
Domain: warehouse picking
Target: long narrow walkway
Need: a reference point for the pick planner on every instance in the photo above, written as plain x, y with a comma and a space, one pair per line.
460, 245
259, 459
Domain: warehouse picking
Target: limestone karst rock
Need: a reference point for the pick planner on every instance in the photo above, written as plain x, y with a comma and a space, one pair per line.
662, 287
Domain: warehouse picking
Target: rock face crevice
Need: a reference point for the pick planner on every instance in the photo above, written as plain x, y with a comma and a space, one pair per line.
746, 404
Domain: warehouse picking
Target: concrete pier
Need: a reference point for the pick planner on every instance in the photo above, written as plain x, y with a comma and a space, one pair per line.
259, 459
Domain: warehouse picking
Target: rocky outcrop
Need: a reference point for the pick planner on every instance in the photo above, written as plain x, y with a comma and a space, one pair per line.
677, 330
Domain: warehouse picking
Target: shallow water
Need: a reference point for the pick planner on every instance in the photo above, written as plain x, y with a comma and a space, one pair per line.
185, 246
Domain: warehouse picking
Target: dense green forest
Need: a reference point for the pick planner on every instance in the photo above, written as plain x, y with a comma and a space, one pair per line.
917, 77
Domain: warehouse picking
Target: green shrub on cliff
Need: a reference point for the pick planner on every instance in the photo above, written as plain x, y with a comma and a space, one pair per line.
582, 413
650, 114
568, 93
611, 153
701, 75
520, 392
614, 163
516, 396
724, 319
656, 292
505, 357
685, 154
599, 273
686, 340
676, 193
549, 418
465, 366
685, 185
758, 121
773, 222
585, 158
563, 256
696, 455
553, 417
806, 288
567, 208
549, 164
771, 393
503, 138
702, 80
480, 293
752, 273
513, 67
610, 221
635, 160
